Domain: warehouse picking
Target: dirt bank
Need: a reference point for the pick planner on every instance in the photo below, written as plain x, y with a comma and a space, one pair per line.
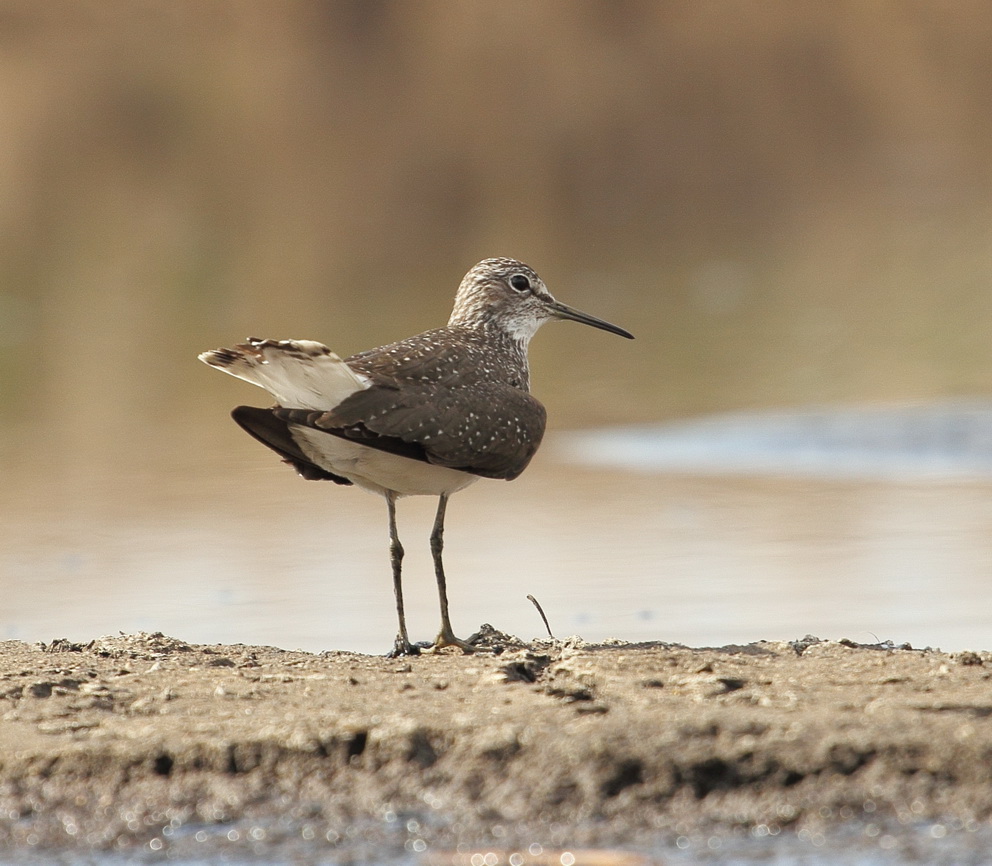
145, 739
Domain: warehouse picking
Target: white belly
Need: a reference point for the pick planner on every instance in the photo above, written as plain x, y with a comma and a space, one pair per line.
378, 471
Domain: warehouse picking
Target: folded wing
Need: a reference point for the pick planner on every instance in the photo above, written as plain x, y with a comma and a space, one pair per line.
491, 430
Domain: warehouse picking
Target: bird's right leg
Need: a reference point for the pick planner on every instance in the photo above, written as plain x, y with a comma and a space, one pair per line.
402, 645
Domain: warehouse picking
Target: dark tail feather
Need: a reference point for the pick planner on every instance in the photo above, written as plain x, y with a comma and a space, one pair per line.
264, 426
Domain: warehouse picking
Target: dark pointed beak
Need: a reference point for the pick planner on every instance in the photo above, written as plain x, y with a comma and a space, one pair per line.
563, 311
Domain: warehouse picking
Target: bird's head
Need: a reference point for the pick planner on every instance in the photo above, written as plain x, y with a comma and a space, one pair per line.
508, 295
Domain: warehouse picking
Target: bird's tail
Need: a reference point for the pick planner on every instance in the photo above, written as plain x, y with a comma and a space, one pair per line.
298, 373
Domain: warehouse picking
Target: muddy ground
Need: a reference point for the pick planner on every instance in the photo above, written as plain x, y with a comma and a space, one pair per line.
143, 740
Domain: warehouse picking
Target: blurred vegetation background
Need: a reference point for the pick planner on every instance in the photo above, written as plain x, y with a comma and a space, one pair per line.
788, 202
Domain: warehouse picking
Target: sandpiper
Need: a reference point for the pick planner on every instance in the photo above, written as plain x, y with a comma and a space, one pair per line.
428, 415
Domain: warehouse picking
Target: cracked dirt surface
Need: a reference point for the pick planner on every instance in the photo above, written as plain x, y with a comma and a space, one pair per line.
144, 737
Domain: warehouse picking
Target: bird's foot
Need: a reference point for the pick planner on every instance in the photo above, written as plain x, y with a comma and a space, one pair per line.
446, 638
403, 647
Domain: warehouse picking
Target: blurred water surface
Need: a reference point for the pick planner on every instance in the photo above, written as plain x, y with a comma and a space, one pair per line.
788, 204
847, 843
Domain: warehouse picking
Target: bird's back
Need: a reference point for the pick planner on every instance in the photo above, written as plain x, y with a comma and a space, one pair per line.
446, 357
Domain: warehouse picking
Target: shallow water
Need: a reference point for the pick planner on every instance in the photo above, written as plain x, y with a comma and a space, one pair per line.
855, 843
227, 545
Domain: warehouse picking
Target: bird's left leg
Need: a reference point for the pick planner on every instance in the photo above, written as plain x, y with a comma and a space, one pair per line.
445, 637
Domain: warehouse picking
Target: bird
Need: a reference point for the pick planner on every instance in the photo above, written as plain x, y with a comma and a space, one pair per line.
427, 415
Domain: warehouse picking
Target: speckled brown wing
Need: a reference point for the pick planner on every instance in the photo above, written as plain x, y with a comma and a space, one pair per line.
488, 429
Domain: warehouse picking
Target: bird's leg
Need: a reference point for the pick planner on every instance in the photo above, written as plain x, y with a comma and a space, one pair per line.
402, 645
445, 637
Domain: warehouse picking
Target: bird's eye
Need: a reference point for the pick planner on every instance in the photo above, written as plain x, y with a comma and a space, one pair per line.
520, 282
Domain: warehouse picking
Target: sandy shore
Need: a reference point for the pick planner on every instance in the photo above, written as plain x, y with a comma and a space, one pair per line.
144, 740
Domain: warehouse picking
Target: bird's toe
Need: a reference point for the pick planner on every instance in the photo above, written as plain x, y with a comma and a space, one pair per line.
446, 638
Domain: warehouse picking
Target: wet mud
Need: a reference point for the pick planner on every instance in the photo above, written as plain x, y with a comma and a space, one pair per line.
142, 741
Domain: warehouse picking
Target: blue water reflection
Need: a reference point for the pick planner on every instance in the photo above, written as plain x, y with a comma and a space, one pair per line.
947, 440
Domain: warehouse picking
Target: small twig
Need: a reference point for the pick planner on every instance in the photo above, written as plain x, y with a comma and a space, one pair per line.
540, 610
